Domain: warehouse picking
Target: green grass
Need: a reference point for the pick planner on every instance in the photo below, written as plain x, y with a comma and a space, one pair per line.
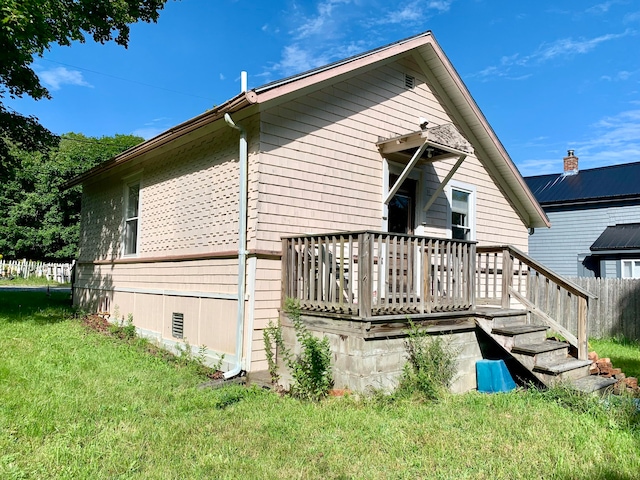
76, 404
30, 282
624, 354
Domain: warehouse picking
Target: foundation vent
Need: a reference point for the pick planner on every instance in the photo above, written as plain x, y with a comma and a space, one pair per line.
409, 81
177, 325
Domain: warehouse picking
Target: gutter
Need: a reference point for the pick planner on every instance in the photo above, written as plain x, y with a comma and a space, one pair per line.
243, 161
240, 101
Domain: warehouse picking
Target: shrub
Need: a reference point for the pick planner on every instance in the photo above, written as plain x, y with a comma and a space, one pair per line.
311, 369
431, 364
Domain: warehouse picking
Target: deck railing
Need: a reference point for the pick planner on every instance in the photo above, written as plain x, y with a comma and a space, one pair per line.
369, 274
507, 277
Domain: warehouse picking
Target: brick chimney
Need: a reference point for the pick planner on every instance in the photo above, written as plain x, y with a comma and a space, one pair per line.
570, 163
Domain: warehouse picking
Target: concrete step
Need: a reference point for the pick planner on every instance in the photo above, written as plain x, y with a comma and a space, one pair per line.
562, 370
544, 352
511, 330
593, 384
545, 349
516, 335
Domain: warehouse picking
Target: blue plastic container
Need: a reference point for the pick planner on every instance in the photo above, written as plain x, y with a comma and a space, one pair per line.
493, 376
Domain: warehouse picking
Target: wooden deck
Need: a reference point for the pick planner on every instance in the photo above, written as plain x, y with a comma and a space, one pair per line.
380, 280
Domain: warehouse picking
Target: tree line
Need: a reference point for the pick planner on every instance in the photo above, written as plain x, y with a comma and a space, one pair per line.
39, 220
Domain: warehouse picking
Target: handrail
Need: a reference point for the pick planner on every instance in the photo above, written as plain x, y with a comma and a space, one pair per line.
520, 255
535, 304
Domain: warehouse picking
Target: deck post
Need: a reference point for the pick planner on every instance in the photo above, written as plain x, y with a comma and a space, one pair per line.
365, 281
583, 348
471, 288
285, 274
507, 278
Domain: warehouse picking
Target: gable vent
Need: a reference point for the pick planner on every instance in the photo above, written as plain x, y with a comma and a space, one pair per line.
177, 325
409, 81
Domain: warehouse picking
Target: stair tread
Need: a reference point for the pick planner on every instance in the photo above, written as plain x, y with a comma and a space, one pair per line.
518, 329
534, 348
562, 365
592, 383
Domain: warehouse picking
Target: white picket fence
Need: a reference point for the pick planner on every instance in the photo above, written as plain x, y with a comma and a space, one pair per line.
55, 272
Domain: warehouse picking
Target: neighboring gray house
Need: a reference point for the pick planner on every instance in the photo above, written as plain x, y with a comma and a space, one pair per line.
595, 220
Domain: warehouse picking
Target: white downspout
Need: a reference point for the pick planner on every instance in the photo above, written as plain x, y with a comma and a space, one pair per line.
242, 236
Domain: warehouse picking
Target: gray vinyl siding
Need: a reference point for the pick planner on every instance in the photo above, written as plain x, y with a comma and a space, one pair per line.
573, 232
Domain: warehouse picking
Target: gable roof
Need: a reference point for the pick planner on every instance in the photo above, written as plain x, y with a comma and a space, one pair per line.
617, 182
442, 77
623, 236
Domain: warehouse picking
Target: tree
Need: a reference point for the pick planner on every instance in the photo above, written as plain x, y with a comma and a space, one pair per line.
40, 221
28, 28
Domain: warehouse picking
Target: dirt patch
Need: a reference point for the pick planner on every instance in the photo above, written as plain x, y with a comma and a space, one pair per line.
98, 323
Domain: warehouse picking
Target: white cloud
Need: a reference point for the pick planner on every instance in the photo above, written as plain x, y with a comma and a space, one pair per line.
320, 36
565, 47
603, 7
322, 22
632, 17
56, 77
415, 11
153, 128
296, 59
612, 140
569, 46
620, 76
222, 77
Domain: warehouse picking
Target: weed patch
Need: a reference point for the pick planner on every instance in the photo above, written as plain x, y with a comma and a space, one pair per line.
431, 365
311, 368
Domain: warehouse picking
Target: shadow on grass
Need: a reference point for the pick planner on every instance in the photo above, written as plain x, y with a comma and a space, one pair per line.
34, 305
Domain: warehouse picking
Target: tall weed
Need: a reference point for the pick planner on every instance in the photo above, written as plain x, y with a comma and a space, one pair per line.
431, 364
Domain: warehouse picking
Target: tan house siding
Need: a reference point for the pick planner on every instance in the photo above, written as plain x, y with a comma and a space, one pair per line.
313, 167
101, 221
188, 206
204, 290
321, 172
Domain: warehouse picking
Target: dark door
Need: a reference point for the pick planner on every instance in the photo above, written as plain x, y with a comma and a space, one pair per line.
402, 207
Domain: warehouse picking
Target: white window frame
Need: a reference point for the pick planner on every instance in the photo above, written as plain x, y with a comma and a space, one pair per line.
466, 188
635, 272
130, 181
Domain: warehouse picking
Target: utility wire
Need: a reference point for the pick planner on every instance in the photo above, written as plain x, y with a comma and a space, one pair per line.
128, 80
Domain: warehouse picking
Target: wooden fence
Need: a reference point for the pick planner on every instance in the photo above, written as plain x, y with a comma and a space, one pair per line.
616, 311
55, 272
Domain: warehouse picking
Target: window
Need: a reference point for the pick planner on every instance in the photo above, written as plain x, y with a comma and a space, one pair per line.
462, 211
132, 206
630, 268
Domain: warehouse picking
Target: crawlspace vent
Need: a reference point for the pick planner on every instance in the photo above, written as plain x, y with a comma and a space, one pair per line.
177, 325
409, 81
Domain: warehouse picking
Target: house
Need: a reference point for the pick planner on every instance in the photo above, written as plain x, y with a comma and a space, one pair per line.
595, 218
370, 189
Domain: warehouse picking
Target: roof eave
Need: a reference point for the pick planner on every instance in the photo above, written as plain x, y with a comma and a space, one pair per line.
236, 103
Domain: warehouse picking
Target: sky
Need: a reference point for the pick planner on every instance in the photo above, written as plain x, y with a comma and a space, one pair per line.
548, 75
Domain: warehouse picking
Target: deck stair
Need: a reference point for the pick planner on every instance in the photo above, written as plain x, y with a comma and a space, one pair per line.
549, 360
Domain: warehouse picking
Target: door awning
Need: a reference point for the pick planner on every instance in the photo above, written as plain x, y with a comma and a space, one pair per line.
428, 145
439, 142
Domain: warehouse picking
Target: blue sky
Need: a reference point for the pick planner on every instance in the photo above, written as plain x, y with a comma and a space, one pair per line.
548, 75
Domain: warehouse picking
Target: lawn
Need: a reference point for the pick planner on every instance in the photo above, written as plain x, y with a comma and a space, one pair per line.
77, 404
